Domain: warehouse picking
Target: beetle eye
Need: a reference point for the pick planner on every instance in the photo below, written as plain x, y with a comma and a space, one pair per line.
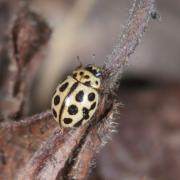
94, 70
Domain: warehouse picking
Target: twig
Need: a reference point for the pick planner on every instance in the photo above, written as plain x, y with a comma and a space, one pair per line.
140, 15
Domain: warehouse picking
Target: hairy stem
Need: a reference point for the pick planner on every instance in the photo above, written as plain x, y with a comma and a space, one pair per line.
139, 18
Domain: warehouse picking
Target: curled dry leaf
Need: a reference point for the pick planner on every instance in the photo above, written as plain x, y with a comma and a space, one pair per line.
29, 33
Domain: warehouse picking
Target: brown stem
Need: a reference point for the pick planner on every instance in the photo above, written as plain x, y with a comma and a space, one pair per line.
139, 18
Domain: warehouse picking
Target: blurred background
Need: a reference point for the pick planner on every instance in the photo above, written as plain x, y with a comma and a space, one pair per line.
147, 144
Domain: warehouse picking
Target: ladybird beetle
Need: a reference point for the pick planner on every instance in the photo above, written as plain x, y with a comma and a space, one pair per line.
76, 99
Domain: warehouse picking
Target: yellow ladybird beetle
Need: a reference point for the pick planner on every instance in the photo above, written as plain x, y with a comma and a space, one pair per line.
76, 99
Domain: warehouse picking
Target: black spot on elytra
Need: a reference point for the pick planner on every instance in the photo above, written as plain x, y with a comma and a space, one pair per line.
54, 113
79, 96
72, 109
63, 87
78, 123
74, 75
93, 106
56, 100
86, 76
81, 73
96, 82
91, 96
73, 87
87, 83
85, 113
67, 120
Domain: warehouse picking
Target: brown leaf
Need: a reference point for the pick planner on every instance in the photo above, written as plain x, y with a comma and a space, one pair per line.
29, 33
19, 140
